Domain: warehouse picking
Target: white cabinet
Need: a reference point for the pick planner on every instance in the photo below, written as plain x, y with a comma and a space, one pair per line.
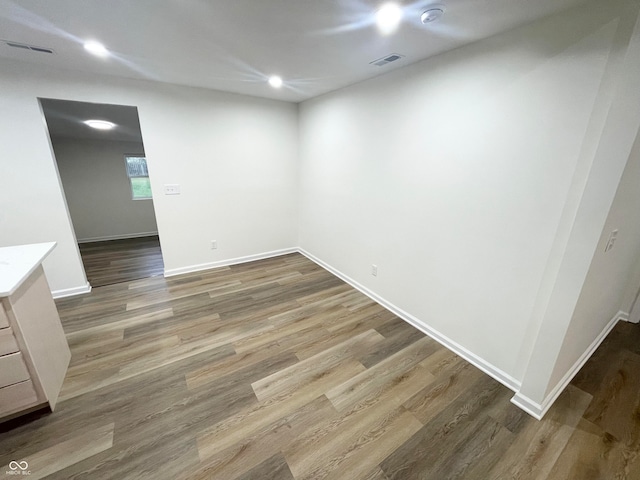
34, 354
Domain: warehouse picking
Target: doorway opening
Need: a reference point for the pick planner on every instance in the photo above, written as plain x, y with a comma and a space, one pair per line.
102, 166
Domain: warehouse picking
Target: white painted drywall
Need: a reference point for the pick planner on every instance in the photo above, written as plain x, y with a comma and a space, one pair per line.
234, 157
610, 274
98, 191
579, 239
451, 175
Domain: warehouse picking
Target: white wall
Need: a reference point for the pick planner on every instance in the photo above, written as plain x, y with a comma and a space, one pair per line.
631, 300
577, 241
98, 191
611, 274
234, 157
452, 174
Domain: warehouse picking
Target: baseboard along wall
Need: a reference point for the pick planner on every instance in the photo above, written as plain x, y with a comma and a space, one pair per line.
71, 292
533, 408
538, 410
226, 263
117, 237
491, 370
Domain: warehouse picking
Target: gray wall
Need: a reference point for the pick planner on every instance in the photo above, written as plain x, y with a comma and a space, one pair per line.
97, 189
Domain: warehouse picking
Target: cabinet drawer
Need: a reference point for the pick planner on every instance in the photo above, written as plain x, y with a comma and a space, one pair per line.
12, 369
4, 321
16, 397
7, 342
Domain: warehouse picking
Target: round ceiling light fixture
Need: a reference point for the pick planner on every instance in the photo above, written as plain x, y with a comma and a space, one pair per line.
100, 124
96, 48
275, 81
432, 14
388, 18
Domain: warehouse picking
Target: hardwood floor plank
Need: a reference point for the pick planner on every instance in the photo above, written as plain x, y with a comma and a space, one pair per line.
344, 448
616, 407
421, 455
264, 443
288, 380
247, 422
332, 336
274, 468
259, 340
85, 347
538, 446
82, 446
277, 369
392, 344
117, 261
396, 374
591, 453
306, 309
448, 386
478, 447
371, 314
375, 474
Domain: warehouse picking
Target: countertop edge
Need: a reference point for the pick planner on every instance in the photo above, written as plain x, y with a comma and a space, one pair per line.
36, 262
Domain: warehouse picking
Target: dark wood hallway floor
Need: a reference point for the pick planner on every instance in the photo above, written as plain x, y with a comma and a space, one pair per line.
276, 369
117, 261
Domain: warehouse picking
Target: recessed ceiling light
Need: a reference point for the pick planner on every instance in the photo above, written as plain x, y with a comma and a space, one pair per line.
275, 81
388, 18
432, 14
96, 48
100, 124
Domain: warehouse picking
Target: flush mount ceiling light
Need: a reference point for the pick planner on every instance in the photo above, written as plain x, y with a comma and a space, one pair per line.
432, 14
100, 124
96, 48
275, 81
388, 18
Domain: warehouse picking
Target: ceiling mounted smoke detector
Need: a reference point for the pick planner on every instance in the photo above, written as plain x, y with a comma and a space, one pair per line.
432, 14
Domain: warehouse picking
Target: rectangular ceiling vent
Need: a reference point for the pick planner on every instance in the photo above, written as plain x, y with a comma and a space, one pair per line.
381, 62
24, 46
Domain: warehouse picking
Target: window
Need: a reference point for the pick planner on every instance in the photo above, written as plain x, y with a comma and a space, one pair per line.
138, 176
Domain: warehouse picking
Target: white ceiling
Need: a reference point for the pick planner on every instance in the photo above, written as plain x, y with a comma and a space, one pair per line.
233, 45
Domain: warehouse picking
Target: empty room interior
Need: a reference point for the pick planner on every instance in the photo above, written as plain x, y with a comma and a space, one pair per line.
301, 240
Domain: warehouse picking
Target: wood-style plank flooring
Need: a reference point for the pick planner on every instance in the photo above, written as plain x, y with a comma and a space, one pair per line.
278, 370
118, 261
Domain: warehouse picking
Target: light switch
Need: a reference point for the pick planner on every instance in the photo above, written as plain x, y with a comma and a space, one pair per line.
611, 241
171, 189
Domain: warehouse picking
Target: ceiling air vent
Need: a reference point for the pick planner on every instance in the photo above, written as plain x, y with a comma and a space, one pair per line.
24, 46
388, 59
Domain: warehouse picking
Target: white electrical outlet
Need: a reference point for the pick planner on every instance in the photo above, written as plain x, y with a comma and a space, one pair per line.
374, 270
214, 244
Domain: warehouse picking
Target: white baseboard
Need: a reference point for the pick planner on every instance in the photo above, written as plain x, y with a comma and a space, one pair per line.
626, 317
491, 370
71, 292
532, 408
538, 410
623, 317
225, 263
117, 237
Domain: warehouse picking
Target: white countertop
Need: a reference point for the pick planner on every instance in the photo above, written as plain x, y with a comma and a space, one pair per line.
17, 263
